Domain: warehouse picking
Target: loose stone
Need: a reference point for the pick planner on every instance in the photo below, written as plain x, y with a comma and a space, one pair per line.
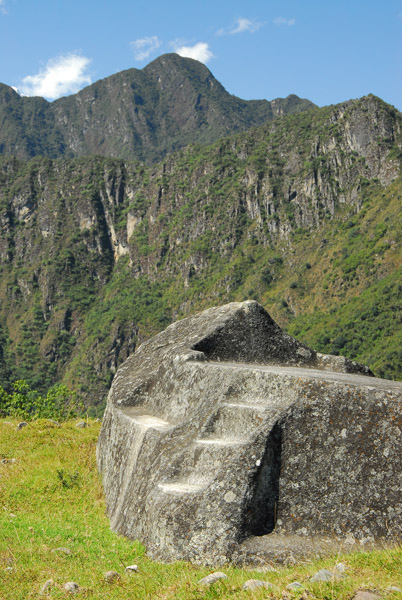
212, 578
111, 576
71, 587
253, 584
322, 575
367, 595
295, 585
22, 425
393, 588
132, 569
62, 550
82, 424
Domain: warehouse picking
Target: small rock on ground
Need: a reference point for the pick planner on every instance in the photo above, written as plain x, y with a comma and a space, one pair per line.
71, 587
325, 575
367, 595
111, 576
253, 584
212, 578
22, 425
393, 588
8, 461
46, 586
132, 569
295, 585
82, 424
62, 550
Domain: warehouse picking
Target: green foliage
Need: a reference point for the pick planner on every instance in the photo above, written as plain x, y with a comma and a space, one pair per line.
60, 403
99, 254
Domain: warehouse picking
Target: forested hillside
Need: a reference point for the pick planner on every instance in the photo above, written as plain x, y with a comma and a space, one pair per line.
302, 214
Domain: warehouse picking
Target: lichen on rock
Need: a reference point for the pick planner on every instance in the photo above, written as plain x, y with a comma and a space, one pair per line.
223, 429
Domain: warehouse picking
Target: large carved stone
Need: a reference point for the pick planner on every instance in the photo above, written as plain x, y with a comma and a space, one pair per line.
223, 428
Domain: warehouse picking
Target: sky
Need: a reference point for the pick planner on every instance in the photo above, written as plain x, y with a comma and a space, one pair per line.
325, 50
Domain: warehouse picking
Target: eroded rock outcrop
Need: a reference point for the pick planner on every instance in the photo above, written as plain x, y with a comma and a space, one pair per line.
223, 427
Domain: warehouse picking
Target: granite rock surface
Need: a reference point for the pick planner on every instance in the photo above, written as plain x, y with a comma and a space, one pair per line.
223, 431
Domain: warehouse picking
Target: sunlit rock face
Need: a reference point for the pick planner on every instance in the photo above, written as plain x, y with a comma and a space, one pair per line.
223, 429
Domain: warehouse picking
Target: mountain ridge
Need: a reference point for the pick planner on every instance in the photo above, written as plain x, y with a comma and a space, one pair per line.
134, 114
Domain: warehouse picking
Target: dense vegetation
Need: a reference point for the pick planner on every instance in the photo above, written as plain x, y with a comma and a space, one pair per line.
53, 526
302, 214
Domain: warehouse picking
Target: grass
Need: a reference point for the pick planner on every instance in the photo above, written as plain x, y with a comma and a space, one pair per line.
51, 497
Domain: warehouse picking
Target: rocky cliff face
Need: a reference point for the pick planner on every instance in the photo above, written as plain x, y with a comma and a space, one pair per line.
171, 103
98, 253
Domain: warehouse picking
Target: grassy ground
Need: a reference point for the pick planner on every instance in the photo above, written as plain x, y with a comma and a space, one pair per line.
51, 497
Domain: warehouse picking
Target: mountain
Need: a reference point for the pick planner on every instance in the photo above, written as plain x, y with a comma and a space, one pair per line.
302, 214
135, 114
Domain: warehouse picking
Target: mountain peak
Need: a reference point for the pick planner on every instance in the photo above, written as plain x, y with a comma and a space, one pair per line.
135, 114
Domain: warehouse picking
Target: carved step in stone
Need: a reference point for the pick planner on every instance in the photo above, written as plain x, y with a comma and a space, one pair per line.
219, 442
182, 487
145, 420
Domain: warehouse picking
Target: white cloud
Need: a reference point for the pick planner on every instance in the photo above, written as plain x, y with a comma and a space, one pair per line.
145, 46
243, 25
282, 21
62, 75
199, 51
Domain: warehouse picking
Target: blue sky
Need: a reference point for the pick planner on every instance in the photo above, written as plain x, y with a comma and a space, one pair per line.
325, 50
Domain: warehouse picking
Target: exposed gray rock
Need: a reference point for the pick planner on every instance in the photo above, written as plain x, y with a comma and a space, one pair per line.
367, 595
254, 584
8, 461
62, 550
324, 575
132, 569
212, 578
223, 429
393, 588
71, 587
295, 585
82, 424
111, 576
22, 425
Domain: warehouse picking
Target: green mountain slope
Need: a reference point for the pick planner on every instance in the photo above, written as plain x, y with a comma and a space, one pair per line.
302, 214
135, 114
